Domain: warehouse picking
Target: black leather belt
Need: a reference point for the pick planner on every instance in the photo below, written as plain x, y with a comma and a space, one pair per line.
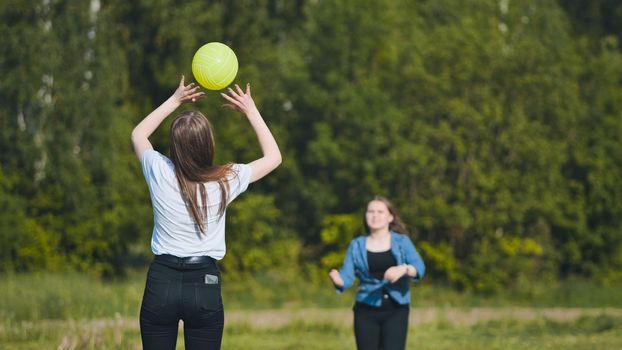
190, 260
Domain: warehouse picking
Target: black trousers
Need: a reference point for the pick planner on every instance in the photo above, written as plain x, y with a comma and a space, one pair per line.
182, 289
381, 328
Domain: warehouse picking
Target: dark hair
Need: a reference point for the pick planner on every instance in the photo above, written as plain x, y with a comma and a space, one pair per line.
192, 153
396, 225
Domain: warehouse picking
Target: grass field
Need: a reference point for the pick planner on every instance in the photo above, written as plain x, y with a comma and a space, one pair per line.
596, 329
71, 311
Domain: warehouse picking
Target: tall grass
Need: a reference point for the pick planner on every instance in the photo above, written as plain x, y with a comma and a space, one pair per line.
40, 296
33, 297
74, 311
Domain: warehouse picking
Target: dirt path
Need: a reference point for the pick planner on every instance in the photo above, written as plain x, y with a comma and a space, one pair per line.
274, 319
464, 317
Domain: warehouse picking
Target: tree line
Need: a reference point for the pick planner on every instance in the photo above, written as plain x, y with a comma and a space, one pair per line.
494, 127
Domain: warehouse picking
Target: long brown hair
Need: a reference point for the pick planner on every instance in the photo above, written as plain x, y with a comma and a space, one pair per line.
396, 225
192, 153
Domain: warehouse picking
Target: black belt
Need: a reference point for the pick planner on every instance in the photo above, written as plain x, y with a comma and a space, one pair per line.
190, 260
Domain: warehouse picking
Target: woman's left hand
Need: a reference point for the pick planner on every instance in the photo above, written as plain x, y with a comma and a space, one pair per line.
394, 273
187, 93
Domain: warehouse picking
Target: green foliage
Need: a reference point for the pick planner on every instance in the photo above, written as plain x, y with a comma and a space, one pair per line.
503, 262
441, 261
495, 128
255, 238
63, 130
337, 232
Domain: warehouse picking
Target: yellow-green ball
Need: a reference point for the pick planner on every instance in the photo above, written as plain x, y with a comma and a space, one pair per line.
214, 66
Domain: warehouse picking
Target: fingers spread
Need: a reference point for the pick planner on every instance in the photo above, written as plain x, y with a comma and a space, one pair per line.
197, 95
190, 87
230, 99
239, 90
234, 93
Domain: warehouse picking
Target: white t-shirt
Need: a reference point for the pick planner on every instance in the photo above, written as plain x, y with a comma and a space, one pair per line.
174, 230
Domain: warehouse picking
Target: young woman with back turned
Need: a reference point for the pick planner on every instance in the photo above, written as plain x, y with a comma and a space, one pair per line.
385, 261
189, 195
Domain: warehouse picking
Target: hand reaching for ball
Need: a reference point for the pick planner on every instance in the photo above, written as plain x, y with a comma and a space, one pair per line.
241, 101
187, 93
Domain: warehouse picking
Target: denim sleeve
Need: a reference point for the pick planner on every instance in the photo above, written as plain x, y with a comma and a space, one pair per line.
413, 258
347, 270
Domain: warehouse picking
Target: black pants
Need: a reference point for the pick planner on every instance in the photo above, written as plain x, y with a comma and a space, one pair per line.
381, 328
178, 289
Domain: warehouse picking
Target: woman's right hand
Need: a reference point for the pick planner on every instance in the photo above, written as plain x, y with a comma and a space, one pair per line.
241, 101
335, 277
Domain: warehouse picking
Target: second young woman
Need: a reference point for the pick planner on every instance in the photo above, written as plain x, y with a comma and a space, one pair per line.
385, 261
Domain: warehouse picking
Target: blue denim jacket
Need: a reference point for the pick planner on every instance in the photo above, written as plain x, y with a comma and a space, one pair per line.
370, 289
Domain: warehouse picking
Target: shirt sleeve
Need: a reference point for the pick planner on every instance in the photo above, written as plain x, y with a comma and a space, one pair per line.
238, 180
347, 270
146, 161
413, 258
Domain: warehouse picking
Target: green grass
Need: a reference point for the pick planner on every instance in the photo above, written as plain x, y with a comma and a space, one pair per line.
73, 311
593, 332
600, 332
33, 297
42, 296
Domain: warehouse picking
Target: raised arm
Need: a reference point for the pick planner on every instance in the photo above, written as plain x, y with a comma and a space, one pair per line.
242, 101
144, 129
